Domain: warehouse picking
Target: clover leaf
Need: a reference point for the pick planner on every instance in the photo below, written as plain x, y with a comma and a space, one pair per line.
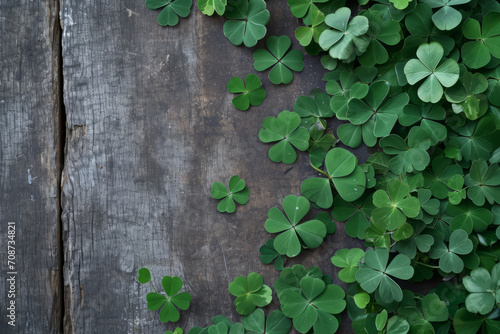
237, 192
177, 330
253, 94
410, 155
222, 325
315, 26
377, 109
268, 254
428, 114
428, 67
347, 259
300, 8
346, 39
284, 129
484, 289
276, 322
208, 7
483, 182
290, 278
282, 60
437, 177
469, 217
466, 323
311, 233
314, 306
486, 36
250, 292
314, 108
447, 17
246, 22
393, 206
400, 4
449, 261
432, 310
169, 16
144, 275
356, 214
169, 312
466, 95
418, 241
374, 273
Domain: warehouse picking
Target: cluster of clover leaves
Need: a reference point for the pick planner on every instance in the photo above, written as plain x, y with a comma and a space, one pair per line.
418, 81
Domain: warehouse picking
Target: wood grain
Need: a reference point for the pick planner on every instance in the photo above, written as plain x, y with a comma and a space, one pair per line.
29, 112
150, 128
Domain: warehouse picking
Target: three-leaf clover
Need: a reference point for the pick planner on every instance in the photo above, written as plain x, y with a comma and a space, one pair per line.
346, 39
447, 17
268, 254
469, 217
284, 129
169, 16
483, 182
276, 322
250, 292
347, 259
428, 67
237, 192
169, 312
314, 306
393, 206
449, 261
208, 7
374, 273
428, 114
290, 277
287, 242
246, 22
484, 289
251, 91
486, 36
343, 172
356, 214
282, 60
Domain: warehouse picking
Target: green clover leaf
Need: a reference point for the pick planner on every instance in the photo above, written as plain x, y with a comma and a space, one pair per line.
483, 182
356, 214
253, 94
428, 67
374, 273
177, 330
209, 7
400, 4
276, 322
437, 177
466, 323
144, 275
449, 261
447, 17
466, 95
250, 292
315, 26
300, 8
282, 60
469, 217
393, 206
418, 241
314, 306
428, 114
246, 22
284, 129
268, 254
169, 16
484, 289
346, 38
477, 53
169, 312
237, 192
290, 278
287, 243
347, 259
314, 108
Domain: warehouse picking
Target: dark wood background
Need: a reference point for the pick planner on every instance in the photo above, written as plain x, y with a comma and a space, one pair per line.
146, 126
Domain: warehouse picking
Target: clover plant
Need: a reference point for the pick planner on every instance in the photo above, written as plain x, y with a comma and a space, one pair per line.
251, 91
237, 192
250, 292
246, 22
171, 10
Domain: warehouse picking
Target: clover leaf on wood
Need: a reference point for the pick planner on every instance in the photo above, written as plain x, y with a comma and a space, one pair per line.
346, 39
483, 182
447, 17
208, 7
437, 74
347, 259
144, 275
237, 192
284, 129
449, 261
393, 206
247, 21
486, 36
251, 91
374, 273
282, 60
292, 234
276, 322
250, 292
169, 16
484, 289
168, 303
315, 306
268, 254
219, 321
466, 95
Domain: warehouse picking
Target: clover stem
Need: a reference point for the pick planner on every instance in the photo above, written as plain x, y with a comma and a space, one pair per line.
319, 170
153, 286
427, 265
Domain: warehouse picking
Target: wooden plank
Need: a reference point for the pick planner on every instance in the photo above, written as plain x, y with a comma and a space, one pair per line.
29, 111
150, 128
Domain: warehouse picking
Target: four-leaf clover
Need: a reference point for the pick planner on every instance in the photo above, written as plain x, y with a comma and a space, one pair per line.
253, 94
246, 22
237, 192
250, 292
484, 289
449, 261
171, 286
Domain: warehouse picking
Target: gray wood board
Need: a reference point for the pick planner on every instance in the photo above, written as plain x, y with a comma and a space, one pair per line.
150, 128
28, 171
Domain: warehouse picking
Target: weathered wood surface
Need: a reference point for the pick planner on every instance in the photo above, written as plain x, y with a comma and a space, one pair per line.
29, 108
150, 127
